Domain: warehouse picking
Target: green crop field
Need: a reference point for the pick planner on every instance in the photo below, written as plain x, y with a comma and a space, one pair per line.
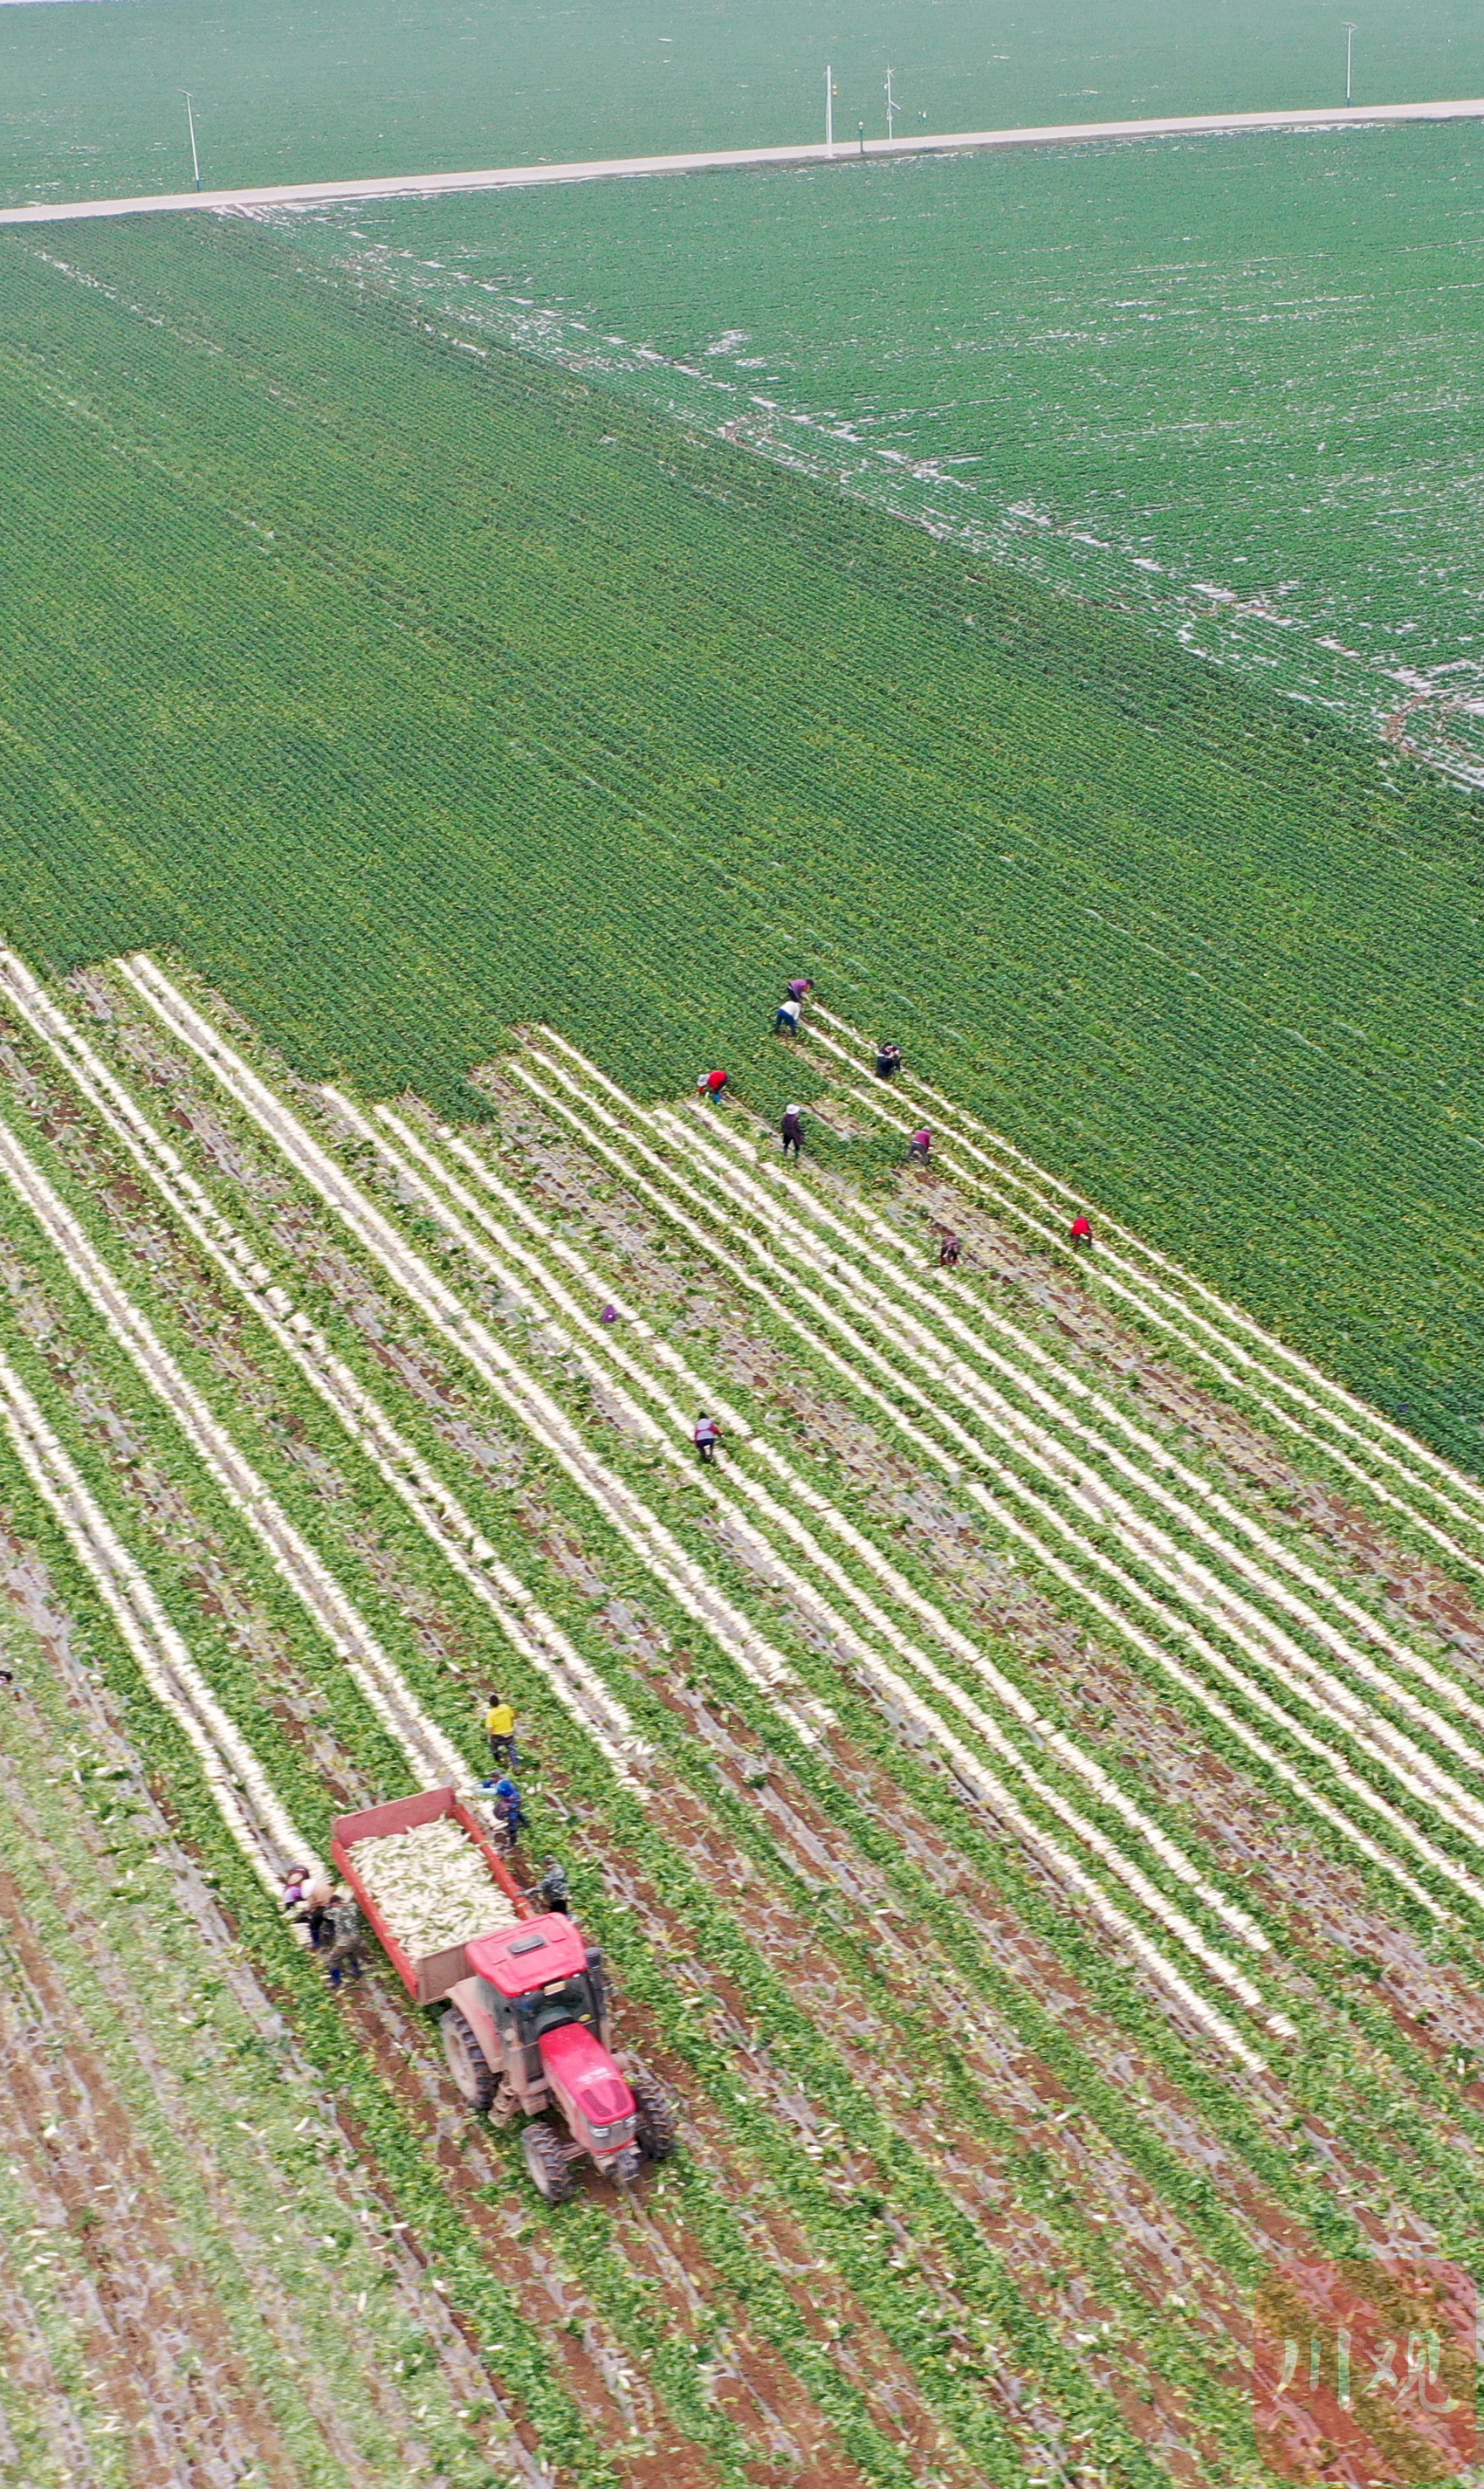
414, 694
1023, 1775
92, 96
1231, 387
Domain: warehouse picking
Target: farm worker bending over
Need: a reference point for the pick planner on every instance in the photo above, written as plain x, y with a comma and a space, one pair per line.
707, 1437
888, 1062
710, 1085
509, 1808
798, 987
920, 1145
552, 1886
347, 1935
793, 1130
313, 1907
787, 1024
1081, 1234
948, 1252
499, 1728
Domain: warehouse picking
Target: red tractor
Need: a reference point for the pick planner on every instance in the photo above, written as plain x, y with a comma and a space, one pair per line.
526, 2030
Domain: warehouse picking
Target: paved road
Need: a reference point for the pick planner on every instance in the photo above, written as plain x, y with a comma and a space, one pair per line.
523, 176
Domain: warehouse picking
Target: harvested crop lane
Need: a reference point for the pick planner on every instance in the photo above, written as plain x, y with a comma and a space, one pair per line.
74, 1136
1349, 1933
356, 1787
1287, 1484
183, 1524
1403, 1473
602, 2370
262, 1660
660, 1520
138, 2295
648, 1265
224, 2252
1083, 1551
519, 2266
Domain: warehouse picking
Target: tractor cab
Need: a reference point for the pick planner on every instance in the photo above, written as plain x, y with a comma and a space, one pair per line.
538, 1991
536, 1975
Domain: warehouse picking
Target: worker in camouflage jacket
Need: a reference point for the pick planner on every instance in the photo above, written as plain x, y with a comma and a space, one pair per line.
347, 1931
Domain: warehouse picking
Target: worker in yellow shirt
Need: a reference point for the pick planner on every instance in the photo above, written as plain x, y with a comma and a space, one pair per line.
499, 1728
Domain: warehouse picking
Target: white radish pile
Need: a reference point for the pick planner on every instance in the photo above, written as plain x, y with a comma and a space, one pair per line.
432, 1887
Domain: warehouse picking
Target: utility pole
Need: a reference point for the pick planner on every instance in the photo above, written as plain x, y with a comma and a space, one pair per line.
829, 109
863, 139
890, 105
195, 161
1350, 27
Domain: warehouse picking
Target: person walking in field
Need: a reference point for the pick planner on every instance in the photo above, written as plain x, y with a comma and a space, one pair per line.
787, 1023
888, 1062
347, 1936
793, 1131
708, 1435
711, 1085
499, 1728
920, 1147
1081, 1233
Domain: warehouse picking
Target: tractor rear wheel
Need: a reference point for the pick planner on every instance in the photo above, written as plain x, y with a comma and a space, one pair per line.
547, 2165
654, 2132
467, 2063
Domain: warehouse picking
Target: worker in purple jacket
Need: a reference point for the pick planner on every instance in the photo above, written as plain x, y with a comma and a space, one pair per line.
793, 1131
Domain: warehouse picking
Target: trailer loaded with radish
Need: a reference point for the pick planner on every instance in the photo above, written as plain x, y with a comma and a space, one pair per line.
526, 2029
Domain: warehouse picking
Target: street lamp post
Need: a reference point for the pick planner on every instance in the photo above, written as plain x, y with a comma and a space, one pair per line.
1350, 27
891, 106
191, 124
829, 109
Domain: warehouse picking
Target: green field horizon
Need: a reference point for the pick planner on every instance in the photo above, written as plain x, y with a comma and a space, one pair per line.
92, 96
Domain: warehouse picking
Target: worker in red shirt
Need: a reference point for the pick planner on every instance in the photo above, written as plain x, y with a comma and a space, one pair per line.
1081, 1233
710, 1085
920, 1146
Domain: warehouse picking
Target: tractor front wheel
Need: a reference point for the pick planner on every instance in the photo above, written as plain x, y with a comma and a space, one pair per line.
467, 2063
547, 2165
655, 2131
